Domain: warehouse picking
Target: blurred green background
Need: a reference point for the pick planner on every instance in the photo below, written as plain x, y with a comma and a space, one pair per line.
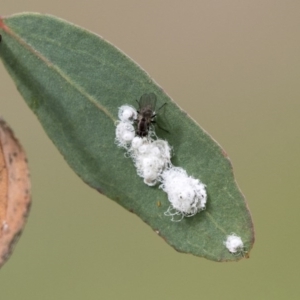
234, 66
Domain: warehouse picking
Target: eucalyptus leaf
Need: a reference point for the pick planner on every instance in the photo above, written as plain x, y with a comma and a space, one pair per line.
74, 81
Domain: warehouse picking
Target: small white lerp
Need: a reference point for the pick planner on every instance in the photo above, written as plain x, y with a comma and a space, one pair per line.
234, 243
124, 134
127, 113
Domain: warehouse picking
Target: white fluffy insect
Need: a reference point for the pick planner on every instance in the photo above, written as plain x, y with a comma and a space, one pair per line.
152, 159
186, 194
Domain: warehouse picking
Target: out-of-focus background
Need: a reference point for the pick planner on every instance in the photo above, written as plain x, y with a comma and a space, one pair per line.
234, 66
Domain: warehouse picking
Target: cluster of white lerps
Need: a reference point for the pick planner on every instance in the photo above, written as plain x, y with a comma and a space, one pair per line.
152, 159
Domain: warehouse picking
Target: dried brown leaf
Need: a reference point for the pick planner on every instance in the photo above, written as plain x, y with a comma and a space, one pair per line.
14, 191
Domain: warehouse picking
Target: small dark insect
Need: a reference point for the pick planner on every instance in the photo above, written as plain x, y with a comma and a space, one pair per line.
146, 113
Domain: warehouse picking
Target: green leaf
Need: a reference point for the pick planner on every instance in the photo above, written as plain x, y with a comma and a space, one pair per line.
74, 81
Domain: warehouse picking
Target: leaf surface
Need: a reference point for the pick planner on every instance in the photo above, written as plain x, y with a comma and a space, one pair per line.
74, 81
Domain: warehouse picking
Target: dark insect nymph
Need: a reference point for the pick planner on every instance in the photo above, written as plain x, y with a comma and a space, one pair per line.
146, 114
